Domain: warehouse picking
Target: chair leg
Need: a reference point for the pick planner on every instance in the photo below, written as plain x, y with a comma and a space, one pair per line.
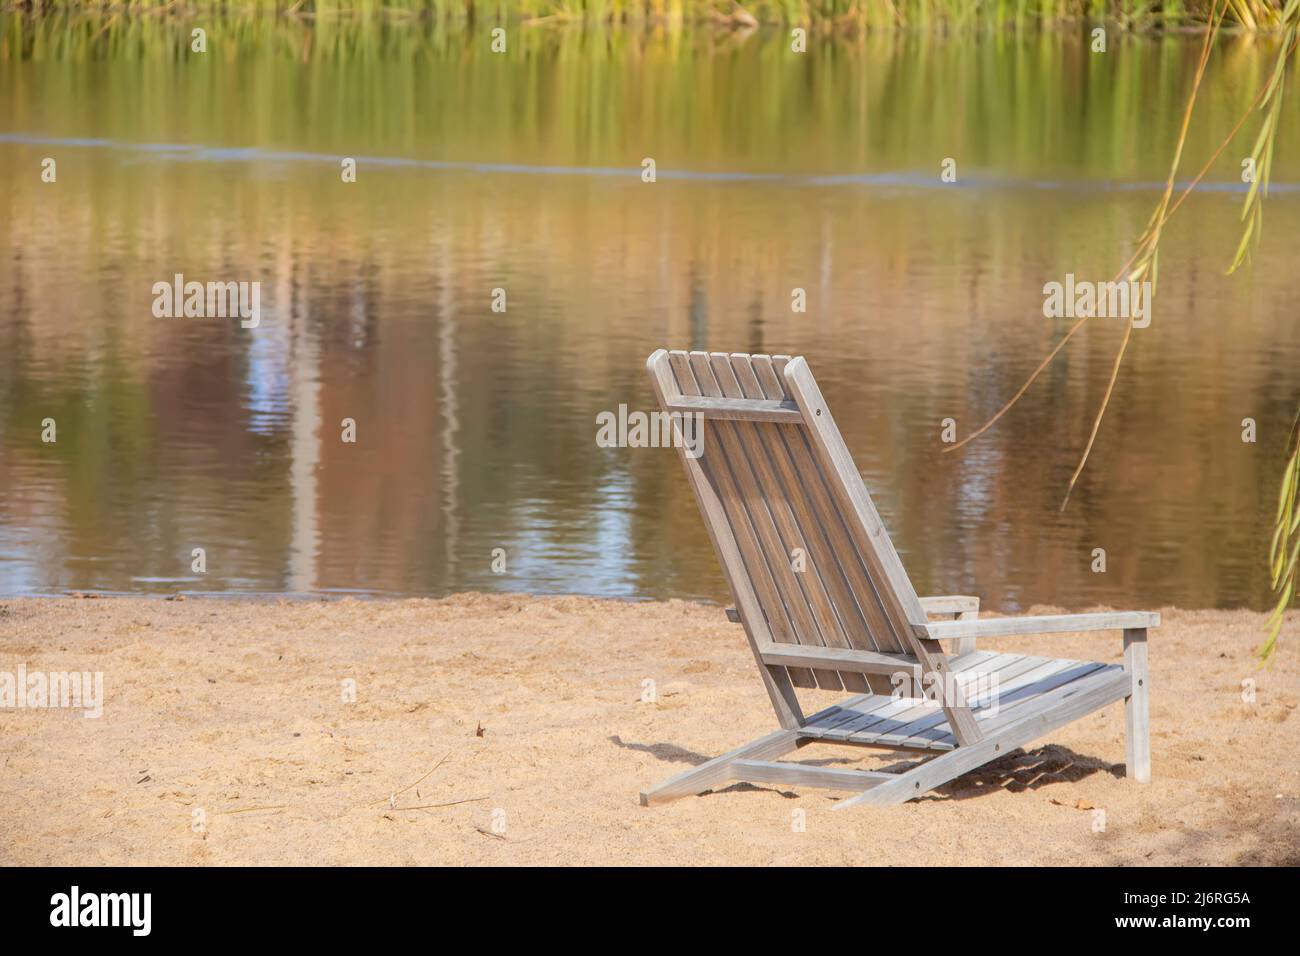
1137, 748
717, 771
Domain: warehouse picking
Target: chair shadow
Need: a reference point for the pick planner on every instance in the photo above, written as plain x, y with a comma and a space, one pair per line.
1022, 770
1016, 771
669, 753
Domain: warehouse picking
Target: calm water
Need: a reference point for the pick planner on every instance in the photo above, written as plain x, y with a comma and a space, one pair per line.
476, 429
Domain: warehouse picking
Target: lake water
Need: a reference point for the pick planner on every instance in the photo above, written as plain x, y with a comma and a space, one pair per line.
476, 429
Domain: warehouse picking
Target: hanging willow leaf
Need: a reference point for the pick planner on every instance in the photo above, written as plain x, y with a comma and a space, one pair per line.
1283, 551
1252, 210
1288, 479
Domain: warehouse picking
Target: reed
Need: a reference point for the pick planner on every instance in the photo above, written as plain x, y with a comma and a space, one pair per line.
848, 15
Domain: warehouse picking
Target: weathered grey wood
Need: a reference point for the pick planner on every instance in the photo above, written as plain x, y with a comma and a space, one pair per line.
949, 604
826, 713
743, 517
1055, 710
962, 608
877, 631
863, 520
867, 739
845, 659
877, 713
965, 645
926, 722
1047, 624
735, 410
873, 712
766, 771
829, 595
889, 579
858, 607
1137, 730
830, 445
768, 484
717, 771
803, 591
760, 541
777, 682
1058, 689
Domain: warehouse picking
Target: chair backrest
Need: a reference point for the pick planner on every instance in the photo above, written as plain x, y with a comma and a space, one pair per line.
800, 542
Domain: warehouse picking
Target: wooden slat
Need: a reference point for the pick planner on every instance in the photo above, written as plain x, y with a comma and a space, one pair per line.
739, 523
1013, 673
860, 610
1025, 691
869, 711
878, 632
1051, 711
766, 771
1018, 682
735, 411
1103, 675
850, 717
875, 710
832, 714
1021, 696
828, 595
843, 658
776, 681
923, 714
867, 739
1046, 624
829, 444
864, 523
768, 514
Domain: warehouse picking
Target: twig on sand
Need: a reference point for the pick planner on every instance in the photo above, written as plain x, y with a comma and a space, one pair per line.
391, 799
222, 813
453, 803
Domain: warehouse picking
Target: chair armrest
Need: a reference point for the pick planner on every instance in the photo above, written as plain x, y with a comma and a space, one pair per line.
963, 608
1047, 624
950, 604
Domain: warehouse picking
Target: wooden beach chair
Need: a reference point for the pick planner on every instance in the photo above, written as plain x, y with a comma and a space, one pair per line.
826, 603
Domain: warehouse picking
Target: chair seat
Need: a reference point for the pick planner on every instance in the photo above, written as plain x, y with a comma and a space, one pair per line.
1001, 689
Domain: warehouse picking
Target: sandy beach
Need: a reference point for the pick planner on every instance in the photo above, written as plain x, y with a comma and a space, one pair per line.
513, 730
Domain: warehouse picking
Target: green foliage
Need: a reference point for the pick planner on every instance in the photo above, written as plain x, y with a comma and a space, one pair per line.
1284, 549
828, 14
1252, 210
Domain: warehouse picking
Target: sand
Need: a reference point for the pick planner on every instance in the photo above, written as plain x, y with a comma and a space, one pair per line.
225, 740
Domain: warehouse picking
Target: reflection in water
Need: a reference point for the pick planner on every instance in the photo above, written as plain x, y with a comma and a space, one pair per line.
450, 422
305, 455
476, 429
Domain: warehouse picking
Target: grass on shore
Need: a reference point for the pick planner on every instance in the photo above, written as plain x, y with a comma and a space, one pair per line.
1250, 15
